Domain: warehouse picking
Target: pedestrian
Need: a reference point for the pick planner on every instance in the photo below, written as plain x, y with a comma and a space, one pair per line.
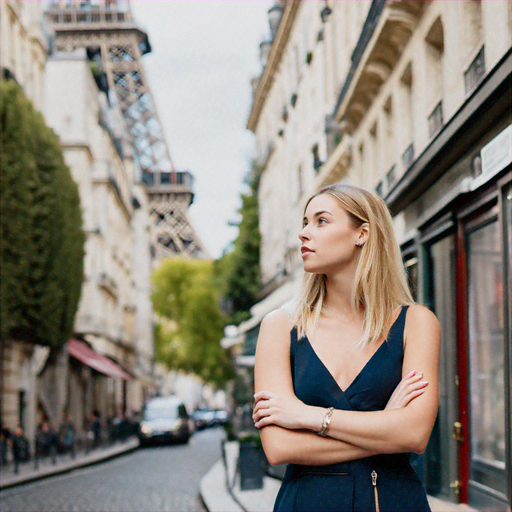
96, 428
20, 446
5, 441
346, 376
67, 435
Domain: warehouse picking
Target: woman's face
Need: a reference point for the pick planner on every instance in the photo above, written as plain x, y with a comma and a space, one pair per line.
328, 237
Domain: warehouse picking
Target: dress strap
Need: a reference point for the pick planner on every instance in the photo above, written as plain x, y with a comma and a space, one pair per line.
396, 332
293, 343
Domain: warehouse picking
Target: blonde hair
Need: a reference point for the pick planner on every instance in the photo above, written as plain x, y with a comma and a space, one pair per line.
380, 279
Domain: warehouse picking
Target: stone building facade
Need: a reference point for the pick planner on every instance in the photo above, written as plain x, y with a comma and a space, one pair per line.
23, 51
114, 314
410, 99
109, 366
24, 46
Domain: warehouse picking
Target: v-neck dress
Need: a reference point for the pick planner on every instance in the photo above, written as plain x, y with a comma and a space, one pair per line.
348, 486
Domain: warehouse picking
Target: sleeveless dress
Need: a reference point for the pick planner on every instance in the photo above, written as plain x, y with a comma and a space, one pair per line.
349, 486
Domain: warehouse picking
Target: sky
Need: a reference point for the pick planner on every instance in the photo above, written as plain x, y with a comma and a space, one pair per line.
204, 54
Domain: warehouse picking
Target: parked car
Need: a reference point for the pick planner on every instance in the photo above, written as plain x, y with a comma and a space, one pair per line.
220, 416
165, 420
204, 418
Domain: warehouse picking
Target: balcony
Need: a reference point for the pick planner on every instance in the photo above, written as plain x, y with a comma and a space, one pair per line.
84, 16
336, 166
159, 183
108, 284
387, 30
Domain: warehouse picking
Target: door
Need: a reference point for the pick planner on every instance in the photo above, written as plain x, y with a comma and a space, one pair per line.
441, 457
486, 352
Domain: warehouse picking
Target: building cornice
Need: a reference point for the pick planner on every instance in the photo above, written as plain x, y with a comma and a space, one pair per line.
276, 54
489, 103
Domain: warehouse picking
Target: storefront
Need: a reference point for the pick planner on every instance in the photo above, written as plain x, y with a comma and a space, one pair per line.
456, 201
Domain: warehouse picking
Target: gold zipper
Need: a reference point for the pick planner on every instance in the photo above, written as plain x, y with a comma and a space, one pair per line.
375, 492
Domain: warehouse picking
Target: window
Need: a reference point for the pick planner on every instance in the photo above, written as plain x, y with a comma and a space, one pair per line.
408, 156
372, 149
434, 50
406, 108
435, 120
300, 182
387, 136
475, 72
390, 177
486, 336
317, 163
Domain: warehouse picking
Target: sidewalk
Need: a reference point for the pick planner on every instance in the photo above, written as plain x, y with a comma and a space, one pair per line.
217, 497
27, 472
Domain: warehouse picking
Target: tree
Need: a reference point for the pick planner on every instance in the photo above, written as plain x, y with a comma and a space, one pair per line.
238, 271
41, 228
190, 324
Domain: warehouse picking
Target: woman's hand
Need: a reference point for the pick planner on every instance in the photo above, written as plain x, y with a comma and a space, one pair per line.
284, 411
410, 387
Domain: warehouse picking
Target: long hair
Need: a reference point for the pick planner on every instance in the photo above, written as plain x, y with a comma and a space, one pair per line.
380, 284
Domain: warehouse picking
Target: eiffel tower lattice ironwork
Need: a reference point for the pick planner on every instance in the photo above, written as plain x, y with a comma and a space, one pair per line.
115, 45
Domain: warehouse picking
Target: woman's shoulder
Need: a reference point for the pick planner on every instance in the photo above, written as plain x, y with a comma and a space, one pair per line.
421, 313
420, 320
279, 321
275, 332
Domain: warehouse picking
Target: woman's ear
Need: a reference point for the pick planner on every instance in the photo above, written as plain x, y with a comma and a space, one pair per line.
364, 232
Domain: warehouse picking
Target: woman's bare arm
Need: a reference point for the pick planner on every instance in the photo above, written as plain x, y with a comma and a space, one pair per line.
272, 371
405, 429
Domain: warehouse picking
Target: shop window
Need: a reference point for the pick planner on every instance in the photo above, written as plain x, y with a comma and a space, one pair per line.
486, 336
440, 461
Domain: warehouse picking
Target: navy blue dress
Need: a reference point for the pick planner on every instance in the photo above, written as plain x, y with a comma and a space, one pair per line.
348, 486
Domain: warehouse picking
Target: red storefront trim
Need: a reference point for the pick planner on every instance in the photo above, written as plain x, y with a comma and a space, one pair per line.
86, 355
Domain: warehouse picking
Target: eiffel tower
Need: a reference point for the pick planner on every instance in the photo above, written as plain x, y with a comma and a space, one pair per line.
115, 45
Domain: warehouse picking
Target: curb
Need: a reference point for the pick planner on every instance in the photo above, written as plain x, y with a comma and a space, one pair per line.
88, 460
213, 492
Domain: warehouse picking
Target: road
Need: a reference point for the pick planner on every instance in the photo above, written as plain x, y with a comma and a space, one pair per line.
160, 478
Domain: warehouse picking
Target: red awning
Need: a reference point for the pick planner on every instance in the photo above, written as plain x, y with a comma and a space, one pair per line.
85, 354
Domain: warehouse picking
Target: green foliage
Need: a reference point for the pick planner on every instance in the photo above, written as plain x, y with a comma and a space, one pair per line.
41, 228
238, 271
191, 325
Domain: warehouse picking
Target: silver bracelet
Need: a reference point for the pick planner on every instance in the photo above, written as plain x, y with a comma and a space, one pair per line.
326, 422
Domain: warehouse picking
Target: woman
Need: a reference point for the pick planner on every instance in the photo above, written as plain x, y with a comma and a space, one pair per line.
347, 384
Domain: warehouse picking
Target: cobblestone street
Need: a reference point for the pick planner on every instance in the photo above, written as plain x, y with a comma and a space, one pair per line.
160, 478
